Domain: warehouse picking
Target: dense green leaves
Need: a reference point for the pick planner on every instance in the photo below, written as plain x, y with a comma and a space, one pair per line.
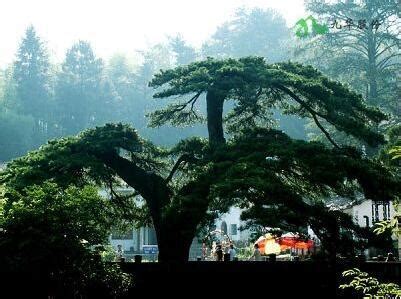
56, 235
271, 166
15, 134
85, 159
74, 160
75, 214
390, 152
364, 284
396, 152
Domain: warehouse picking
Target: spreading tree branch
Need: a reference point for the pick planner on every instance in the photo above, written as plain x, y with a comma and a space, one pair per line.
324, 131
192, 101
310, 110
151, 186
382, 63
385, 49
183, 158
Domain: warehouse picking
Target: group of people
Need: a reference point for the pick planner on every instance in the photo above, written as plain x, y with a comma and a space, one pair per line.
219, 250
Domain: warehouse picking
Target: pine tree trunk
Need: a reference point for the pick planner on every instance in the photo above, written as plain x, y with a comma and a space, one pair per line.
214, 106
174, 255
372, 68
173, 246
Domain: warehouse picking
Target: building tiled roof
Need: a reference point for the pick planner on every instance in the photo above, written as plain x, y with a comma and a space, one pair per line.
343, 203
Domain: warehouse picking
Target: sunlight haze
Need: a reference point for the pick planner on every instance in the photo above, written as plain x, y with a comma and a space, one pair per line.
121, 25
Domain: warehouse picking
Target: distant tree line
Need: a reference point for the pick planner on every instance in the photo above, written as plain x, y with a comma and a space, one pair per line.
41, 100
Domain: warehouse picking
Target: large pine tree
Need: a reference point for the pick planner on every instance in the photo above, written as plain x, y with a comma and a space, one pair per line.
254, 166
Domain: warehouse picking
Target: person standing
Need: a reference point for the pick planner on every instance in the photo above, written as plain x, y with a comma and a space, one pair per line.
204, 251
232, 252
390, 257
119, 253
219, 253
256, 256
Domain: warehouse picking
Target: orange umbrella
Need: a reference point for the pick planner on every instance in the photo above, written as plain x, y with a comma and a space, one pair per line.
267, 244
261, 243
295, 242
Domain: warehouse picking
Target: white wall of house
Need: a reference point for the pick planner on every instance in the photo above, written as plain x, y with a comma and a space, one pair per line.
233, 223
135, 239
362, 213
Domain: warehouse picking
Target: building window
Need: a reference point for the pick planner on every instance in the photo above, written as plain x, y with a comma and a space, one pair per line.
386, 211
356, 217
224, 227
152, 240
375, 212
366, 220
233, 229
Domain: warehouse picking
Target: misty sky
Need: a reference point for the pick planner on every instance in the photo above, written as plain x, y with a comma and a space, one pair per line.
115, 26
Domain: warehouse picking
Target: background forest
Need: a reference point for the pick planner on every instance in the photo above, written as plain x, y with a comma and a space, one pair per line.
42, 100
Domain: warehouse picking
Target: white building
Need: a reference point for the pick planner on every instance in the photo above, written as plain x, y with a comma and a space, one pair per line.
366, 213
133, 241
230, 223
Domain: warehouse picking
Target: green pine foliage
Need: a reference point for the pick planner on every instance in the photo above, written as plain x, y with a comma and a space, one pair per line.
257, 87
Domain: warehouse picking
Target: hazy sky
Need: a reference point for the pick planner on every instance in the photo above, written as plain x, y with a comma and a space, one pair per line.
121, 25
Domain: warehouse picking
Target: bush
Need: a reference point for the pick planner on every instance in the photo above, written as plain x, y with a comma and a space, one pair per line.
50, 236
363, 284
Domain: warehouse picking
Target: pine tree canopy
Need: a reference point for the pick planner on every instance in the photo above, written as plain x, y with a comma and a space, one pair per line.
257, 87
258, 168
